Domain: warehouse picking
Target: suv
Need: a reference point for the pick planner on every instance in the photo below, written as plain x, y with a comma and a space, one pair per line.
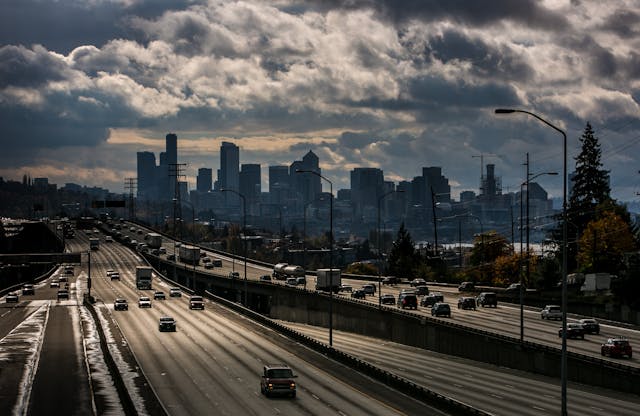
144, 302
551, 312
591, 326
616, 347
196, 302
369, 289
159, 295
487, 299
574, 330
175, 292
12, 298
387, 299
120, 305
429, 300
28, 289
408, 300
358, 294
441, 309
167, 323
467, 302
422, 290
277, 379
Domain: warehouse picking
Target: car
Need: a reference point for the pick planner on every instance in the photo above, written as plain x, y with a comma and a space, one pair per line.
63, 279
345, 288
108, 239
359, 294
616, 347
590, 325
175, 292
196, 302
110, 272
387, 299
441, 309
54, 283
208, 265
63, 294
467, 302
234, 275
144, 302
120, 304
159, 295
422, 290
551, 312
162, 250
390, 280
418, 282
466, 287
216, 262
514, 288
12, 298
574, 330
167, 323
291, 281
205, 260
28, 289
115, 276
369, 289
438, 296
301, 281
69, 272
429, 300
277, 379
487, 299
265, 278
407, 300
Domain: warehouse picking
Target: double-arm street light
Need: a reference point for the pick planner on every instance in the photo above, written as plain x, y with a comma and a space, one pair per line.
563, 361
244, 239
379, 248
313, 172
522, 185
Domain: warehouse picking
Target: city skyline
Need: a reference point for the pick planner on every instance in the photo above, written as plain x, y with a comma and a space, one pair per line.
390, 85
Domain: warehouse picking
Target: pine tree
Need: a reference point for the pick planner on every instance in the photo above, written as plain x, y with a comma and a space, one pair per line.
590, 189
402, 258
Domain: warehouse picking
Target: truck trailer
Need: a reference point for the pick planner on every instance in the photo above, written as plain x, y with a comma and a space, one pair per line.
189, 254
328, 280
154, 240
143, 277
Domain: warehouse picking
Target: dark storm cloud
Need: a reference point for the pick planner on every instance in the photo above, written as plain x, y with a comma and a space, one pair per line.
474, 13
486, 60
433, 91
351, 140
624, 23
21, 67
64, 25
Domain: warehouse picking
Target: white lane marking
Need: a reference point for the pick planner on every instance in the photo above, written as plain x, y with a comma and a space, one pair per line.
4, 314
540, 408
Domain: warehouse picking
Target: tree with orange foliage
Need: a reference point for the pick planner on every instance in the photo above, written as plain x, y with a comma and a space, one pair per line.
603, 244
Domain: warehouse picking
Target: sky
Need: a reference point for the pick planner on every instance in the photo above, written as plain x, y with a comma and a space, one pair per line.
393, 84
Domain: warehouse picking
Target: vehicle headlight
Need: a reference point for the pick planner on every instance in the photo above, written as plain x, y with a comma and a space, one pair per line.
292, 385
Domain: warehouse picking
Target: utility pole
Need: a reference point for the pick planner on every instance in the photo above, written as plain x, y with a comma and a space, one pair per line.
131, 184
175, 172
435, 228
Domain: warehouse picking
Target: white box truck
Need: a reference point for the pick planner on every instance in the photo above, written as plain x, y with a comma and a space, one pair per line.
189, 254
143, 277
154, 240
328, 280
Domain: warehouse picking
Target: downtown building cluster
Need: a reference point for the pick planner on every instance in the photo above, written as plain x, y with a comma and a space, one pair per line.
296, 199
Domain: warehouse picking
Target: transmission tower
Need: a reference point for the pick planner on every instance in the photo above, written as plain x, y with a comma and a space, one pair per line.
131, 184
175, 172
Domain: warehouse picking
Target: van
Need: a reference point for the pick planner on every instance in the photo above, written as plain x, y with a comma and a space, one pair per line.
487, 299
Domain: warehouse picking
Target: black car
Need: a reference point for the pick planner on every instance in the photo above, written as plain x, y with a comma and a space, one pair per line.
120, 305
265, 278
159, 295
487, 299
466, 287
369, 289
359, 294
390, 280
590, 326
429, 300
167, 323
467, 302
63, 294
28, 289
441, 309
387, 299
418, 282
407, 300
422, 290
574, 330
12, 298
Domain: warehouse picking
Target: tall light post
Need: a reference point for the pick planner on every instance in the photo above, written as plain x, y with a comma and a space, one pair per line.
379, 248
244, 240
313, 172
563, 360
526, 184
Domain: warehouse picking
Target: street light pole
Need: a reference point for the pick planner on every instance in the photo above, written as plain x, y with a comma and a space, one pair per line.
244, 240
380, 249
563, 361
313, 172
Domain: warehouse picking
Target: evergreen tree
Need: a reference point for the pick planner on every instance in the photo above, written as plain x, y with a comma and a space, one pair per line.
590, 189
403, 259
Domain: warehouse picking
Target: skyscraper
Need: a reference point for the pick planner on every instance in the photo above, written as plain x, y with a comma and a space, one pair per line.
147, 176
204, 180
250, 181
366, 186
306, 185
229, 173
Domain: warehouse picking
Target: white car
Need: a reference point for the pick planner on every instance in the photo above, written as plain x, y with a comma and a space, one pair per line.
144, 302
551, 312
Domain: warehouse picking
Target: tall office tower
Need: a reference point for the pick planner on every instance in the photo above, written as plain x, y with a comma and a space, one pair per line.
279, 184
147, 176
204, 180
307, 185
250, 181
440, 184
491, 184
171, 158
229, 173
366, 187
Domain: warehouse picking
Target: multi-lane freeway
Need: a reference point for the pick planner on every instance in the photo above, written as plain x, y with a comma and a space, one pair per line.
212, 363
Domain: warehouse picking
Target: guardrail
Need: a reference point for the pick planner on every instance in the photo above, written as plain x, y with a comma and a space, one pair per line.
37, 280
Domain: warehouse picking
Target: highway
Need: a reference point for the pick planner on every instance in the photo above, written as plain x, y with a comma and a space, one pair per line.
212, 363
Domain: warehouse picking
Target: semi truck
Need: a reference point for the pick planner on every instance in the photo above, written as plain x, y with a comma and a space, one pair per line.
154, 240
143, 277
328, 280
94, 243
189, 254
282, 271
